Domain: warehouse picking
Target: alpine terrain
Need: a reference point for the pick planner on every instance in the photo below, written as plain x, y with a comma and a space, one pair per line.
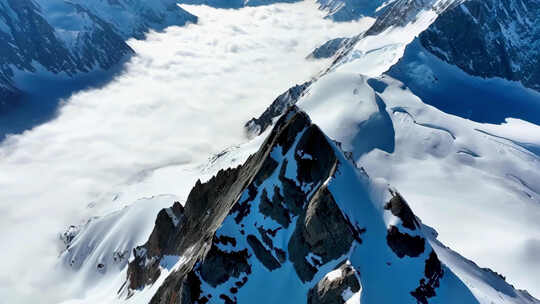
267, 151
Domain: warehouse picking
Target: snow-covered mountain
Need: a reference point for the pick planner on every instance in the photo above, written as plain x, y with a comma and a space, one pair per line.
72, 37
381, 116
133, 18
304, 210
298, 218
491, 38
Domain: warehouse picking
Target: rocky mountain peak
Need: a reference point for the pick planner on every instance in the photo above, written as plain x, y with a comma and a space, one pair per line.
490, 39
299, 217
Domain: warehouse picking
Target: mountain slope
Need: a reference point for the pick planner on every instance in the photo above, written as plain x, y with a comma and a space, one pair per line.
347, 10
71, 37
299, 218
392, 133
454, 91
76, 42
490, 39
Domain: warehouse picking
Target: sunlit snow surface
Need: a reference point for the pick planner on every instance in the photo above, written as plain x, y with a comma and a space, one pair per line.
479, 191
477, 184
184, 97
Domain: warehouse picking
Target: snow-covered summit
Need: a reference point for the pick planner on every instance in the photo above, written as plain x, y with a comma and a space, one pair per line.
301, 219
294, 212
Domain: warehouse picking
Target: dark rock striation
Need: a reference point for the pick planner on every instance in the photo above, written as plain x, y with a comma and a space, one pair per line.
329, 48
490, 38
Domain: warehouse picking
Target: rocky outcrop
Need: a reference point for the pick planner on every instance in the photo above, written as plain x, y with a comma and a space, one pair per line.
336, 287
401, 12
258, 125
322, 234
235, 3
347, 10
403, 244
329, 48
277, 221
391, 14
205, 209
399, 207
433, 274
29, 38
491, 38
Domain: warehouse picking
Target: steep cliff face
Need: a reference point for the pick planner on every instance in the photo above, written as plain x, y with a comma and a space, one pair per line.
256, 126
347, 10
297, 218
490, 39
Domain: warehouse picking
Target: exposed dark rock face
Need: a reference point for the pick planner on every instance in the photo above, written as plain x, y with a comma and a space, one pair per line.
70, 234
275, 214
264, 255
329, 48
275, 209
322, 231
32, 38
332, 290
206, 207
219, 266
401, 209
258, 125
433, 274
203, 213
404, 244
314, 157
347, 10
164, 236
394, 14
490, 38
293, 197
401, 12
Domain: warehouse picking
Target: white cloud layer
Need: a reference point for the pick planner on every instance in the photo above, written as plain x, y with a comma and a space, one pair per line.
184, 96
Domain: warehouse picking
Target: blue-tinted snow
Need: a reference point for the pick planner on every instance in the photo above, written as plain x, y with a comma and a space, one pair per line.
453, 91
